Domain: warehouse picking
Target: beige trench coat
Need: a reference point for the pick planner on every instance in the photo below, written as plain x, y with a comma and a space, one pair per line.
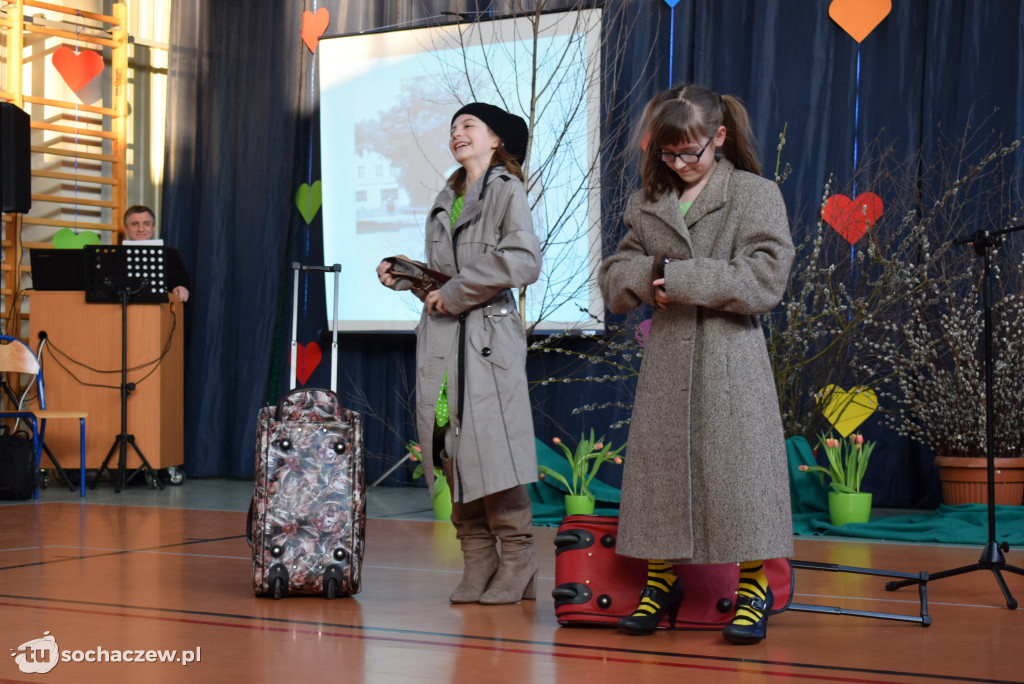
705, 477
497, 252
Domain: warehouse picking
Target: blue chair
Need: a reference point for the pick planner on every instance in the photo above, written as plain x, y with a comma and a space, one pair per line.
17, 357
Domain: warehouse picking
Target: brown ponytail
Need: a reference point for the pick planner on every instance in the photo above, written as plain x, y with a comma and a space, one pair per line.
740, 146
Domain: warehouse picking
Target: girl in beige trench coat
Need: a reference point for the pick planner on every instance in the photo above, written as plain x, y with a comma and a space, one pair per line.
706, 478
473, 410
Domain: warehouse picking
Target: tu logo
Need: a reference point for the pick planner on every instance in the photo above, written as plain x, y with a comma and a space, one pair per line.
37, 656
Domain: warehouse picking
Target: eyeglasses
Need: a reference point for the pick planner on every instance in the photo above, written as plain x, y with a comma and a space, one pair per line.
687, 157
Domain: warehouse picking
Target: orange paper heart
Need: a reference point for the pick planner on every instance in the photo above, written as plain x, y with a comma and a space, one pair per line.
77, 68
306, 361
313, 26
851, 218
859, 17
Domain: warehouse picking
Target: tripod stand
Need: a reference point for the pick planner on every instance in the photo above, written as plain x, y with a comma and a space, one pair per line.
125, 438
992, 557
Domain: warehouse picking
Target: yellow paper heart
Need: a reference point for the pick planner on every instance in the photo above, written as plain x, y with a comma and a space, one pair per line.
847, 410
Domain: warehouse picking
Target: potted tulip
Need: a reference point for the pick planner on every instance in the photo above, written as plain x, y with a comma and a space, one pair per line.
847, 463
584, 462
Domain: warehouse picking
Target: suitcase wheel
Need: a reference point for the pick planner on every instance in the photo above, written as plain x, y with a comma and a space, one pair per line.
333, 576
570, 593
573, 540
277, 580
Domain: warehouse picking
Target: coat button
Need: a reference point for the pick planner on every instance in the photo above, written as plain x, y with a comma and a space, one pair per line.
486, 351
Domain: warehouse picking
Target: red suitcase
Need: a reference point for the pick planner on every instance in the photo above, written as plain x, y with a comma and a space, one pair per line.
596, 586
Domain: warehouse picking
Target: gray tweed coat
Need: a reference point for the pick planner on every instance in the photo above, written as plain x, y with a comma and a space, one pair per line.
491, 249
705, 477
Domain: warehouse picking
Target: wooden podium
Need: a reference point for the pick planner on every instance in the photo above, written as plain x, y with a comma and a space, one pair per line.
82, 371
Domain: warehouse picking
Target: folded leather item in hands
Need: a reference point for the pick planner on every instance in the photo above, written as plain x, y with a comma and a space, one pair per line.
660, 260
423, 279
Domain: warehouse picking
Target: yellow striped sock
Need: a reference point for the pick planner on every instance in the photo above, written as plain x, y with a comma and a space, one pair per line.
661, 575
753, 582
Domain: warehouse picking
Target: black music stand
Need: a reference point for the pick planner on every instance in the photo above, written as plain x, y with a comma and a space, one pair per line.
992, 558
124, 273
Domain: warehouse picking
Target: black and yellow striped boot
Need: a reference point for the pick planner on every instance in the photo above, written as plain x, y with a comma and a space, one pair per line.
663, 593
753, 603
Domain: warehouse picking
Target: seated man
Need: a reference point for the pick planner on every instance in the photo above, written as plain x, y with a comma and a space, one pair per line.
140, 224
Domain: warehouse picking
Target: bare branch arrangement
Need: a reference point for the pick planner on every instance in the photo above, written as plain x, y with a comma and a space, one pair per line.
898, 311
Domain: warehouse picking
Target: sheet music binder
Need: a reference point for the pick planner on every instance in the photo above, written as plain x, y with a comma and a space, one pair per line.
112, 270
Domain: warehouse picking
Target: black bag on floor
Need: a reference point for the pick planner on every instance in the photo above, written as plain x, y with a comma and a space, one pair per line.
18, 472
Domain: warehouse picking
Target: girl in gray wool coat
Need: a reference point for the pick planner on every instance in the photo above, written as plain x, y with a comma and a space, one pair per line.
473, 411
708, 245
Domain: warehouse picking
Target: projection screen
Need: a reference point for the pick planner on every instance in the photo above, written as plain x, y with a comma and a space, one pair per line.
386, 102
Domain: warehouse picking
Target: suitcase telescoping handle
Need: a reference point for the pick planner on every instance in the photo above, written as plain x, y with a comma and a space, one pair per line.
336, 270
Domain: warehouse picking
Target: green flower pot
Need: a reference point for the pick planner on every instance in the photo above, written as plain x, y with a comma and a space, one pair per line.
579, 505
849, 508
442, 500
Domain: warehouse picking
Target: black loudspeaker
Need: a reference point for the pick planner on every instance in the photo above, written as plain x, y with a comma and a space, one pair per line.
15, 170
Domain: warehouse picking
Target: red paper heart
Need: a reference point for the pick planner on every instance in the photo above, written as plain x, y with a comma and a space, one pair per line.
306, 361
77, 68
851, 218
313, 26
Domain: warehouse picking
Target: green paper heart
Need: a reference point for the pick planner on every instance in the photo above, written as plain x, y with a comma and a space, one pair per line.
65, 238
307, 199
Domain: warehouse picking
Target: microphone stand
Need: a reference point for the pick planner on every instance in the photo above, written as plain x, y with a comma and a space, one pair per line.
992, 556
125, 438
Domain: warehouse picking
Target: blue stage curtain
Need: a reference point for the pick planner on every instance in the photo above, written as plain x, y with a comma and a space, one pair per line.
243, 134
230, 151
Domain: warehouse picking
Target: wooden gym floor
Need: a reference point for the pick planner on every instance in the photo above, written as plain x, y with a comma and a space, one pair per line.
131, 571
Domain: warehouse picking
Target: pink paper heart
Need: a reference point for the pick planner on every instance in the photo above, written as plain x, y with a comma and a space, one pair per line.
313, 26
643, 332
307, 359
852, 218
77, 68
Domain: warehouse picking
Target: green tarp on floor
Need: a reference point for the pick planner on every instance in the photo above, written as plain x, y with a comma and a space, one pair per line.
967, 524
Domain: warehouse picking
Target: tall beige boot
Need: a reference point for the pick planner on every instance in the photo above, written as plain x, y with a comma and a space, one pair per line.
479, 555
510, 517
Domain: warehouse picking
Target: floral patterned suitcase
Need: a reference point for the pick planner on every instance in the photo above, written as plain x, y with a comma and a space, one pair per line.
596, 586
308, 512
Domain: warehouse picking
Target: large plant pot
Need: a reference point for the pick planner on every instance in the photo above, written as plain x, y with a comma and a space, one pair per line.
965, 480
579, 505
846, 508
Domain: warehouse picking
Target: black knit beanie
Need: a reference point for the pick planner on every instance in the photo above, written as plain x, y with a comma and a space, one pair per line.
509, 127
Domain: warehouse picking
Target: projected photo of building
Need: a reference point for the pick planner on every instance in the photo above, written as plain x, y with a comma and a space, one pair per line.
386, 103
381, 203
